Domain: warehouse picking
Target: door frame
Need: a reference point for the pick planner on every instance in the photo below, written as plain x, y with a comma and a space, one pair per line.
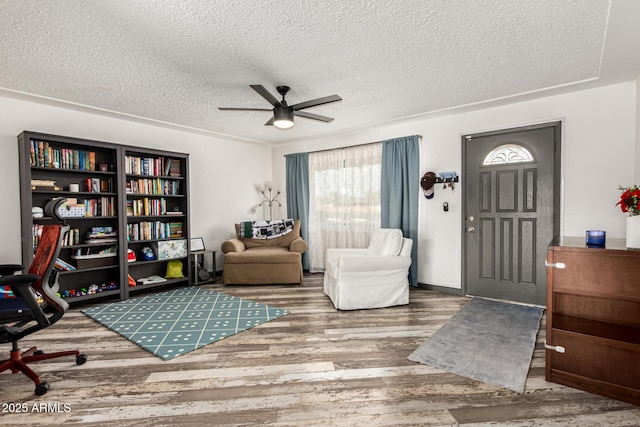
557, 125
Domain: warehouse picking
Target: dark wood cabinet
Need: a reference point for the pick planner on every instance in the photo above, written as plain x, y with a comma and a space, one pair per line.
95, 178
593, 317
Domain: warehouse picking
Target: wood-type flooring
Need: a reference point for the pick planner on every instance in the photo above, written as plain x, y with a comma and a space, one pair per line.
314, 367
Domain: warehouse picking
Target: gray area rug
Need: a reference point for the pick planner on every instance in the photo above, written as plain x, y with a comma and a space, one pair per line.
489, 341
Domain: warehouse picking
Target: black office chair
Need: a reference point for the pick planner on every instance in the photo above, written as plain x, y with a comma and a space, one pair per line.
24, 314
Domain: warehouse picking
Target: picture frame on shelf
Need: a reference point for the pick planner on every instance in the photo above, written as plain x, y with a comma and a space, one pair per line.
95, 185
196, 244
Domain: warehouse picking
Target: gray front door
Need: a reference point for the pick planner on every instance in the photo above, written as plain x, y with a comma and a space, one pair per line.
510, 180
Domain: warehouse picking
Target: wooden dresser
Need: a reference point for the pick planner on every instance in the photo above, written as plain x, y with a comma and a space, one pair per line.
593, 317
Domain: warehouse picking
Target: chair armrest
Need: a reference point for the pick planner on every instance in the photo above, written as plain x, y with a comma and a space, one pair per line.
334, 254
298, 245
21, 286
373, 263
7, 269
19, 282
233, 245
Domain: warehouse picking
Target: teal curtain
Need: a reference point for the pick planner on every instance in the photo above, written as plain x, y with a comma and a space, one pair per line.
400, 193
298, 195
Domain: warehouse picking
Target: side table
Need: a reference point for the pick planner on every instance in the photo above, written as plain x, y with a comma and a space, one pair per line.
198, 259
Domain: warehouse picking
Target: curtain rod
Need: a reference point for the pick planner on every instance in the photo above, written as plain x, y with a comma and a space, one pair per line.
359, 145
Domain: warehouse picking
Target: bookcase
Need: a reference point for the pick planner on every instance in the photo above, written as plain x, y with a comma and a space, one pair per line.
102, 186
155, 217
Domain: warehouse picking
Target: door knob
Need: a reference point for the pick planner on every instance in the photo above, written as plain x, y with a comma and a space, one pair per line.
471, 229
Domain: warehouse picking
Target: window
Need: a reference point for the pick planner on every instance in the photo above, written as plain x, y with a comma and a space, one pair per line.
508, 153
344, 199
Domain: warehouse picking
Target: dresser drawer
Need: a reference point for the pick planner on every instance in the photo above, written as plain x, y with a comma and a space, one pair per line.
595, 358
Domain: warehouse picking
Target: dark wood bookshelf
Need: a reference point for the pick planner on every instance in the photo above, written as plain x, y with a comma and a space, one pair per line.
101, 164
157, 164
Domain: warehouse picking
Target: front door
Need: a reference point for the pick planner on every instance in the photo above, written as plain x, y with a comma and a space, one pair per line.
510, 188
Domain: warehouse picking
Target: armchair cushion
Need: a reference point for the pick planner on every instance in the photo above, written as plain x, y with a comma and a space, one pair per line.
385, 242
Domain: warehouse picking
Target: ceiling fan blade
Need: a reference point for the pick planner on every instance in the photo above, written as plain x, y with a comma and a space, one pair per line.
244, 109
313, 116
269, 122
266, 95
315, 102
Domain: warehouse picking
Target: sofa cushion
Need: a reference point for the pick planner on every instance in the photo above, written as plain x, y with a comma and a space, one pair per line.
283, 241
385, 242
263, 255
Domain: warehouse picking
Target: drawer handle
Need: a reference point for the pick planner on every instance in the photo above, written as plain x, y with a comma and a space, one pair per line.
556, 264
558, 348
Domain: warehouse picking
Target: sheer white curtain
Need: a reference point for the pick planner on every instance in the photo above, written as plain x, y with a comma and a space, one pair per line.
344, 199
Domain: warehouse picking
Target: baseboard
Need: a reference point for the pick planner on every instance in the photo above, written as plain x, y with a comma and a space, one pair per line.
443, 289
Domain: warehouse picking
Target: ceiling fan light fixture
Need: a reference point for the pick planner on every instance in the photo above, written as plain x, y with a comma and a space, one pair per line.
283, 117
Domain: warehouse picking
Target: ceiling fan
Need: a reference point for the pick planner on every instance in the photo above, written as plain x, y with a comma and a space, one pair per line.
282, 112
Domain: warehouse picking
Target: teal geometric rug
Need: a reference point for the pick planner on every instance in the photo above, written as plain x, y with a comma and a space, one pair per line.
176, 322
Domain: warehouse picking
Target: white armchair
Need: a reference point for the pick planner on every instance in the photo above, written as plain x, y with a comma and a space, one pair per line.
374, 277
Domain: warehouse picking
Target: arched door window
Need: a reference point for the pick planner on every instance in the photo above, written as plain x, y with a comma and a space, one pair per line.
507, 153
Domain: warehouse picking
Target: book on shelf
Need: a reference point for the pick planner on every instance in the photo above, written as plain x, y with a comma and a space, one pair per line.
175, 229
151, 279
103, 240
101, 235
174, 168
43, 182
62, 265
104, 231
44, 185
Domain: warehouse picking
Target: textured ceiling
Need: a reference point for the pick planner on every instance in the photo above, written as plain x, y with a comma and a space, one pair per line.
177, 61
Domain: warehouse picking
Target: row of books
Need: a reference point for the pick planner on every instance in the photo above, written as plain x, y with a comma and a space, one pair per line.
153, 166
43, 155
72, 237
147, 206
152, 230
157, 186
101, 206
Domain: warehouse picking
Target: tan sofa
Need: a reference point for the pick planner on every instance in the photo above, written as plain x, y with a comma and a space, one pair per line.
264, 261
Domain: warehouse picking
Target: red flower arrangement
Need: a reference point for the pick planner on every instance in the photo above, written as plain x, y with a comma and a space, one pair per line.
630, 200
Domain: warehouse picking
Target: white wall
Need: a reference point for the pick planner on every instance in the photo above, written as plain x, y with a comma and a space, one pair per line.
222, 179
637, 175
599, 153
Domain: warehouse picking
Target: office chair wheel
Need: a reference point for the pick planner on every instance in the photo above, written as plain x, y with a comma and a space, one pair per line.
80, 359
42, 388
